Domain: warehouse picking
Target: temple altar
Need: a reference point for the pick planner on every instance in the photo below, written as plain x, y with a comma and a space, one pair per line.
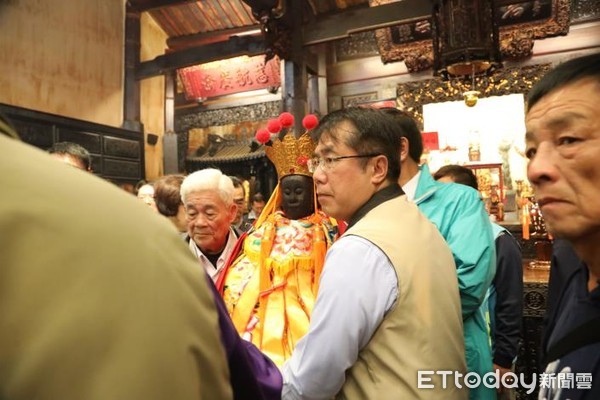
535, 295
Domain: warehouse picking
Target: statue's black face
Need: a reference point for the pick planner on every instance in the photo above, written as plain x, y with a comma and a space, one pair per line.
297, 196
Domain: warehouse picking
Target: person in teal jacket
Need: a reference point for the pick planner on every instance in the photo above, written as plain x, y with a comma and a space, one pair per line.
461, 218
505, 295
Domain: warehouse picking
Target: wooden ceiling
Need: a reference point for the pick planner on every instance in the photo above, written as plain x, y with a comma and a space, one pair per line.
221, 28
201, 31
207, 21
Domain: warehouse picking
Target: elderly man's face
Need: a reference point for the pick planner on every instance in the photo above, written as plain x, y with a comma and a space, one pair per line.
208, 219
563, 145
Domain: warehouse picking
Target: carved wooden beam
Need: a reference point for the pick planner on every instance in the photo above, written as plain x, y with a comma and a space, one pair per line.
147, 5
199, 39
328, 28
236, 46
354, 20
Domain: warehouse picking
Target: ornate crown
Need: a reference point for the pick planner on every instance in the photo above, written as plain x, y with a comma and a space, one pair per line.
289, 154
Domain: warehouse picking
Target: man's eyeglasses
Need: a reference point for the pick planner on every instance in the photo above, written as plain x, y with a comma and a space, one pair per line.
326, 163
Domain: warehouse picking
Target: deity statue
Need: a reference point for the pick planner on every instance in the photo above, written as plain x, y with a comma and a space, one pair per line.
271, 287
504, 148
535, 228
496, 208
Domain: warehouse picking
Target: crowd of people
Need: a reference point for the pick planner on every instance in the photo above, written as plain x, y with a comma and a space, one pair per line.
360, 273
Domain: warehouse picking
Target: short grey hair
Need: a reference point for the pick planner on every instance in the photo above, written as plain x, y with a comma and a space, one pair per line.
208, 179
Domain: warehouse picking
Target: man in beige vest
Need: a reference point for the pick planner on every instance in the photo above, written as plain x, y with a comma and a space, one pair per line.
100, 298
387, 321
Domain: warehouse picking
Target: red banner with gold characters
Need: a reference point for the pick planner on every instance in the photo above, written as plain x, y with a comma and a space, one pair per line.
235, 75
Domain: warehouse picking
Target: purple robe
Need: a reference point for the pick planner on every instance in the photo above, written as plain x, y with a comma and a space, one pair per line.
253, 375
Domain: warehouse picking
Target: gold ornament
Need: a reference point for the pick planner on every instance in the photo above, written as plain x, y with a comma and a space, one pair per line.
291, 155
471, 97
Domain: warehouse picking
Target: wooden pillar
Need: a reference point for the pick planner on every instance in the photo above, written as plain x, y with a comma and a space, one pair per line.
170, 152
131, 101
296, 80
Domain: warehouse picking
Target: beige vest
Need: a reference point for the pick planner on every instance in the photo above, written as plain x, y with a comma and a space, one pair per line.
100, 299
423, 331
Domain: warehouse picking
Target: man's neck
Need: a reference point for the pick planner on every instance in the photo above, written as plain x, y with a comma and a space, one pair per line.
214, 258
408, 170
383, 193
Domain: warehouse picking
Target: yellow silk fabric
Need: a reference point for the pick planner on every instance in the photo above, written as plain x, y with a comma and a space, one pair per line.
275, 281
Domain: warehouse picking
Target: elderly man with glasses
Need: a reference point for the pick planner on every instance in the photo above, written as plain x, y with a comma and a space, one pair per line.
388, 304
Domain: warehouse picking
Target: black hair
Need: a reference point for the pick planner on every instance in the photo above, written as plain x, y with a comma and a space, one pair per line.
258, 198
567, 72
73, 150
459, 174
409, 130
373, 133
237, 182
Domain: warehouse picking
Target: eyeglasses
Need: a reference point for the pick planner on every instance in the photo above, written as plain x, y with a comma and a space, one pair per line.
326, 163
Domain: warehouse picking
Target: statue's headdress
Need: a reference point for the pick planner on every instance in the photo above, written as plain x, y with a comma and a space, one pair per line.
289, 154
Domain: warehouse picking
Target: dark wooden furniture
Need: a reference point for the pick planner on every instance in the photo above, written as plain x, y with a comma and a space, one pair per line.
117, 154
535, 295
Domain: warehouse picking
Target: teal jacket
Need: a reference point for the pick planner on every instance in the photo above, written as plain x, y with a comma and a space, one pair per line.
460, 216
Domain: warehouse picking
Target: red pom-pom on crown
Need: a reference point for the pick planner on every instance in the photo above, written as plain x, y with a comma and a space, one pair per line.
310, 122
286, 119
274, 126
262, 136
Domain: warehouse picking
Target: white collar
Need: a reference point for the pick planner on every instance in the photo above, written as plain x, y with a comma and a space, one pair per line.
410, 187
215, 270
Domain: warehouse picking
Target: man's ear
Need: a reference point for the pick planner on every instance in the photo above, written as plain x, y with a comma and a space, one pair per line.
404, 148
380, 169
232, 212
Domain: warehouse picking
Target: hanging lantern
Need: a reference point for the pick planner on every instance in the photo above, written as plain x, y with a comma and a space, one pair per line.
465, 38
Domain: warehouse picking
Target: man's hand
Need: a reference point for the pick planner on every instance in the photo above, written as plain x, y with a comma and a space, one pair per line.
501, 372
247, 335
